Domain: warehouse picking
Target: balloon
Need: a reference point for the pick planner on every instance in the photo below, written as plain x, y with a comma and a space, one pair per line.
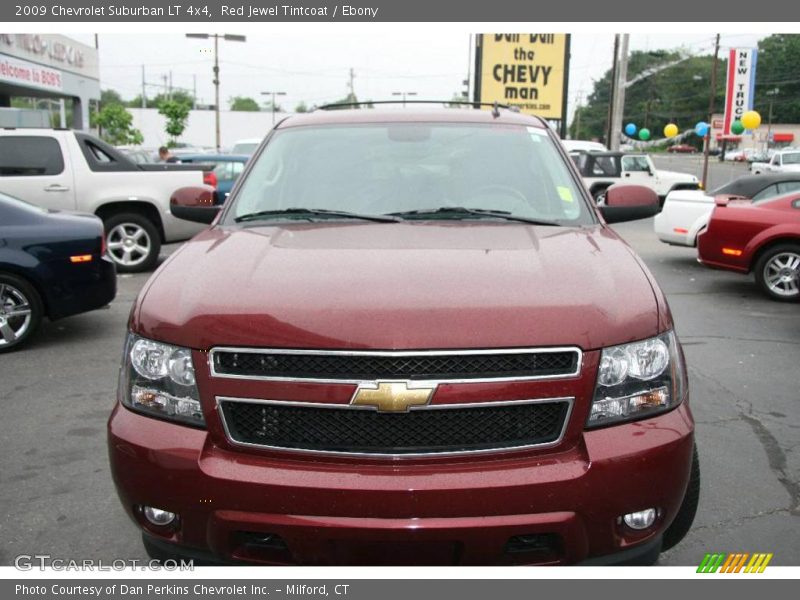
751, 119
701, 128
644, 134
630, 129
737, 128
670, 130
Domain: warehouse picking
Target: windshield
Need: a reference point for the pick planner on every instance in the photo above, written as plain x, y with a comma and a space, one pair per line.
791, 158
396, 168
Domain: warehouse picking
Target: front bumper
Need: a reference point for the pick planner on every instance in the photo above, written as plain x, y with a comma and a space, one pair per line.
247, 507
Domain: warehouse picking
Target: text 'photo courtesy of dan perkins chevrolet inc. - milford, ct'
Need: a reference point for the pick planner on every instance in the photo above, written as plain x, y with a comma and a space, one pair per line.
247, 11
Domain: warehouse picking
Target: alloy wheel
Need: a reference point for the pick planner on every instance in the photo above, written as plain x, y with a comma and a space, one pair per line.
782, 274
129, 244
15, 314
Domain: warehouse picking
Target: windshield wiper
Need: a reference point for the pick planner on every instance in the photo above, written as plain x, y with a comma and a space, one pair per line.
314, 212
480, 212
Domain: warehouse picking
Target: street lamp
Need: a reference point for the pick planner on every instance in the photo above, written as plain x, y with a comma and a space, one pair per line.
273, 94
228, 38
404, 94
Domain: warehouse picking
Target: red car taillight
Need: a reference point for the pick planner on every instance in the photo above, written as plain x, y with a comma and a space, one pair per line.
210, 178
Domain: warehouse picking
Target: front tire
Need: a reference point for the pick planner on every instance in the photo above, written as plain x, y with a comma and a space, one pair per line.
777, 272
21, 311
133, 242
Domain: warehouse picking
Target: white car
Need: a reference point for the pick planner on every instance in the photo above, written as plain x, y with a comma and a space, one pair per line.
687, 212
583, 146
247, 146
781, 162
603, 169
69, 170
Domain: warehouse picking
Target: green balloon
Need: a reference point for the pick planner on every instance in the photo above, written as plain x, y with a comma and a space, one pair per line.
737, 128
644, 134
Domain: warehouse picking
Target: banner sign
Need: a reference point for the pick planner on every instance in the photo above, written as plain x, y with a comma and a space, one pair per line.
527, 70
740, 89
28, 74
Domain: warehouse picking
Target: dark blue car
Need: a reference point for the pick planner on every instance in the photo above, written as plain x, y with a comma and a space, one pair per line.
52, 264
227, 168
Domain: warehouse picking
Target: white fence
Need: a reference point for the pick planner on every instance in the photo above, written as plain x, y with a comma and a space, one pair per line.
234, 125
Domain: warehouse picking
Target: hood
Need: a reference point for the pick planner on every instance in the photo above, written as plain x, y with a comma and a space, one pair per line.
422, 285
676, 175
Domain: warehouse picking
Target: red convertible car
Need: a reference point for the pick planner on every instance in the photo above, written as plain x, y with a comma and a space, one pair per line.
762, 237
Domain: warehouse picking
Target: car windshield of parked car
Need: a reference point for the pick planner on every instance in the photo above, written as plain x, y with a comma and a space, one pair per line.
392, 168
791, 158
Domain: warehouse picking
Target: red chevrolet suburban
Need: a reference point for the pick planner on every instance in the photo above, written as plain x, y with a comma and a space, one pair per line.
409, 337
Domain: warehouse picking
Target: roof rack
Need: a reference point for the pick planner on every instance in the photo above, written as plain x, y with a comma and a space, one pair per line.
496, 106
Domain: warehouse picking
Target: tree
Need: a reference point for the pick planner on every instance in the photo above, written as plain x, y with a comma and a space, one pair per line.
116, 125
301, 108
677, 94
776, 79
244, 103
110, 97
177, 113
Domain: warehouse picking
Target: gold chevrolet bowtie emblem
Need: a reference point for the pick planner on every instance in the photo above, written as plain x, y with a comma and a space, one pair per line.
392, 396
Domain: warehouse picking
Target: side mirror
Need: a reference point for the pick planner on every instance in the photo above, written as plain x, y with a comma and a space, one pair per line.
194, 204
629, 203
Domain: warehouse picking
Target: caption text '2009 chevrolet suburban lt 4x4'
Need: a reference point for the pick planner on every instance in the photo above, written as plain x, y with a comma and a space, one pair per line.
408, 338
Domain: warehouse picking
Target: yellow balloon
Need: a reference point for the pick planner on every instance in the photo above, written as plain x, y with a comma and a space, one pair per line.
670, 130
751, 119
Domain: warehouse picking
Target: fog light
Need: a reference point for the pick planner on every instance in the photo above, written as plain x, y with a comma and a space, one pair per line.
641, 519
158, 517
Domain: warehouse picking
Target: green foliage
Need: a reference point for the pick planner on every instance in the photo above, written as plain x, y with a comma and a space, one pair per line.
244, 103
116, 125
301, 108
778, 57
111, 97
678, 94
349, 99
177, 113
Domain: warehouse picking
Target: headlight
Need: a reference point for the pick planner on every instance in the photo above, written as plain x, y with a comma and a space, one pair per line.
158, 380
638, 380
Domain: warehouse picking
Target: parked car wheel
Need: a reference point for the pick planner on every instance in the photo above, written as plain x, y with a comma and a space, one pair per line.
133, 242
778, 272
683, 520
21, 311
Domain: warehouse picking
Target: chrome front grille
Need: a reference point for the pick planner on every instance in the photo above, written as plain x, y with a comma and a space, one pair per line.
442, 429
358, 366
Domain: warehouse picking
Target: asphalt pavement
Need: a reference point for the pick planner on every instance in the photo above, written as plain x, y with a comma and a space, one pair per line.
743, 351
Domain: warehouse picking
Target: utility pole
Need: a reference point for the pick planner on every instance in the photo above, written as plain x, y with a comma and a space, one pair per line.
194, 91
712, 93
352, 87
228, 38
578, 100
144, 90
170, 85
404, 95
619, 93
273, 94
612, 89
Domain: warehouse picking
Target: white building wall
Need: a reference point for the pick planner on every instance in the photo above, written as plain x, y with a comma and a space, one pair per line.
234, 125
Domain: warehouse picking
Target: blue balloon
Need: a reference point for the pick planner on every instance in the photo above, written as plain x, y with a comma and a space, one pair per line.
701, 128
630, 129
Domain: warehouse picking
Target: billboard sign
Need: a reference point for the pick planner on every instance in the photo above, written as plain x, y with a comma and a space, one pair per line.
740, 89
527, 70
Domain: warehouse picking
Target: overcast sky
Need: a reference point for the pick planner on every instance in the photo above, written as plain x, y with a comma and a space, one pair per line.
315, 68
